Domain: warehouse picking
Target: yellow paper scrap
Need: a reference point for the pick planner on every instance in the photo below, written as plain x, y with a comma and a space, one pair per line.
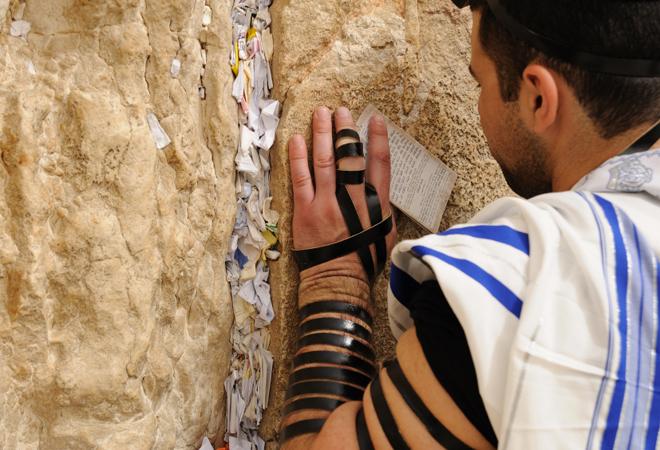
270, 237
237, 60
252, 32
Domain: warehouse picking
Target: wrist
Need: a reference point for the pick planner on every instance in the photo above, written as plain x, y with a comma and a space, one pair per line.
342, 279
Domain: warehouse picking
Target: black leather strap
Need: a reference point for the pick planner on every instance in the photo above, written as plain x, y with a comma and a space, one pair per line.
364, 440
348, 211
315, 256
387, 422
350, 177
300, 428
376, 215
322, 403
336, 306
352, 149
340, 359
338, 340
344, 374
347, 133
334, 324
325, 388
440, 433
352, 220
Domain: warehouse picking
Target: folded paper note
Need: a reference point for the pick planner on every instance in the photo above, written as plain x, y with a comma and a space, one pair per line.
421, 184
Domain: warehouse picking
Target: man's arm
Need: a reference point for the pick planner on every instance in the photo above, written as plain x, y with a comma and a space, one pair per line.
340, 429
404, 408
318, 221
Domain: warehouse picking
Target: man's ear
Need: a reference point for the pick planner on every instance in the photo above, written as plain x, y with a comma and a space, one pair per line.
539, 97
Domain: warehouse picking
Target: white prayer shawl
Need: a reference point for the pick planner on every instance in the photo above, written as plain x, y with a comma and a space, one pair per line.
558, 298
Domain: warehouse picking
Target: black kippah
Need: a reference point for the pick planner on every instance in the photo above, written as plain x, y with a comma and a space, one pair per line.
602, 60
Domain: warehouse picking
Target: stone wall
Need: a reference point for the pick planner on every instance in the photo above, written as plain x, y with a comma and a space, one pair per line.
114, 307
409, 58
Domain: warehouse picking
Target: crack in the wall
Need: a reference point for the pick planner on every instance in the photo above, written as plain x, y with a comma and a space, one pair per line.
254, 240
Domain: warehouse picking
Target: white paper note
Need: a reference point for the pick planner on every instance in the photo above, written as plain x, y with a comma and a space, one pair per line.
175, 68
270, 112
207, 16
421, 184
20, 28
161, 138
206, 444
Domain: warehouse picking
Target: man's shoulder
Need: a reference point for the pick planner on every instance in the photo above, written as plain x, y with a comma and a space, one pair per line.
506, 240
511, 222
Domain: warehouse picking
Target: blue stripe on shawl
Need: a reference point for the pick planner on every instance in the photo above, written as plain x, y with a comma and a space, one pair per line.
497, 289
621, 277
610, 336
498, 233
654, 414
642, 329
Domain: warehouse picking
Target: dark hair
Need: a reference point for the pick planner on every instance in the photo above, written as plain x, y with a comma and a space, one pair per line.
624, 28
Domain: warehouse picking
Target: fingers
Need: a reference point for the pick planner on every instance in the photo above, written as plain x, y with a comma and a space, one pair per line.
378, 160
301, 179
343, 120
324, 160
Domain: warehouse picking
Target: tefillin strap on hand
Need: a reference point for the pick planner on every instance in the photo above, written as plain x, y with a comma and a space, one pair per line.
335, 363
360, 239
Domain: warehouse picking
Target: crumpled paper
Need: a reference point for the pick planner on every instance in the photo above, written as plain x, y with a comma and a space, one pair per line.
254, 238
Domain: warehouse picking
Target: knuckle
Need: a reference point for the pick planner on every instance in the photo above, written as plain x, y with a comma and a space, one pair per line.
297, 156
323, 127
329, 211
382, 156
300, 181
323, 162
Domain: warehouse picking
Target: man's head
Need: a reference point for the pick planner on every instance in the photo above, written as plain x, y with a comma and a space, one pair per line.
532, 104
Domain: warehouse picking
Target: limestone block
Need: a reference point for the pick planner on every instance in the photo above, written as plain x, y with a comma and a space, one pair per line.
409, 58
114, 307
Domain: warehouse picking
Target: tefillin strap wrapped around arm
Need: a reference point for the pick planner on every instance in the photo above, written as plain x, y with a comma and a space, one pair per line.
335, 362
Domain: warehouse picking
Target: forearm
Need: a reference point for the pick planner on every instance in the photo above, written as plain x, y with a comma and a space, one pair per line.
335, 360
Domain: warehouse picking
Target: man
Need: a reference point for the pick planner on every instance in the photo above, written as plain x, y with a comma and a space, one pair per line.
537, 324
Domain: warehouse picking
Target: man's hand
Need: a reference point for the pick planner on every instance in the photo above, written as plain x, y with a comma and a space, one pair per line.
317, 219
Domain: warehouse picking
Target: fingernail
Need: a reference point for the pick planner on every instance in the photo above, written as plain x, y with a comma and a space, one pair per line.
322, 112
343, 113
378, 120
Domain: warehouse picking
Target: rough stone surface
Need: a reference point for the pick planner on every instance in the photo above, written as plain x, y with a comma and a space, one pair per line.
409, 58
114, 307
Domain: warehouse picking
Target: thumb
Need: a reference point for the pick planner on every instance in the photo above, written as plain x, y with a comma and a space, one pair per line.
379, 161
